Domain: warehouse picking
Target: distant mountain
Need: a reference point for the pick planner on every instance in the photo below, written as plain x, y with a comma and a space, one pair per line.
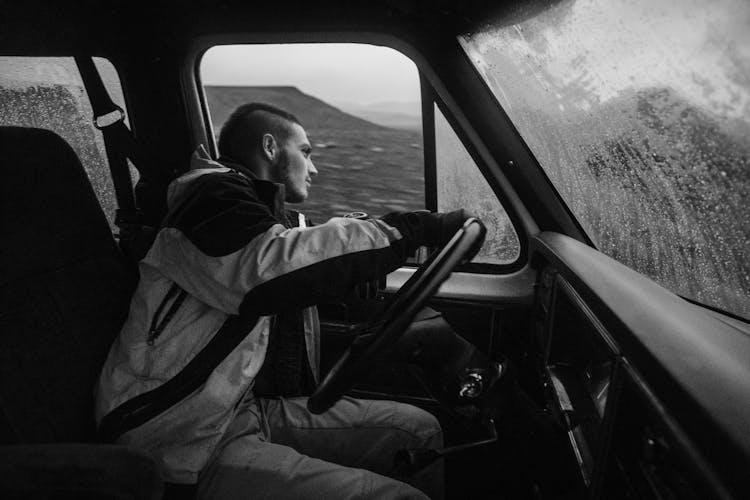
311, 111
394, 114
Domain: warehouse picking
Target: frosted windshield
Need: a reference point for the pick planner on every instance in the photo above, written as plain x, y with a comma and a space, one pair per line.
639, 113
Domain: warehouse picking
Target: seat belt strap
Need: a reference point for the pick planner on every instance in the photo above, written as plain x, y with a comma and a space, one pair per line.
120, 145
142, 408
109, 118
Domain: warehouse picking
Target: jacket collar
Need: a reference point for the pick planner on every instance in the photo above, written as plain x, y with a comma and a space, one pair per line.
272, 194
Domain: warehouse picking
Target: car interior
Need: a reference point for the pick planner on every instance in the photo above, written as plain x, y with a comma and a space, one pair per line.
588, 378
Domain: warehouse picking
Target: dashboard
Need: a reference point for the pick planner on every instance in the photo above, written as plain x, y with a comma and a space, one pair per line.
615, 385
635, 393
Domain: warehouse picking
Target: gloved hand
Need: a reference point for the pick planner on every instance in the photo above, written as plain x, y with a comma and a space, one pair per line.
439, 227
446, 224
431, 229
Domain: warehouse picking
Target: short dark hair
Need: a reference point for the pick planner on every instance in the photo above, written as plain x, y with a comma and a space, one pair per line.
246, 126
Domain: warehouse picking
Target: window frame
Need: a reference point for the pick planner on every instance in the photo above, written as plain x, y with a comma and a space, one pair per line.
432, 91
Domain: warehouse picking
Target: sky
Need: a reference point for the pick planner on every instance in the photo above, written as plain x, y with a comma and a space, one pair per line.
333, 72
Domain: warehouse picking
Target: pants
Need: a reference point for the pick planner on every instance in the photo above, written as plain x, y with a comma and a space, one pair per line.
276, 449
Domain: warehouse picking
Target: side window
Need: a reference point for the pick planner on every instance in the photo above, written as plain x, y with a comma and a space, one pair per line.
359, 104
460, 184
48, 93
361, 107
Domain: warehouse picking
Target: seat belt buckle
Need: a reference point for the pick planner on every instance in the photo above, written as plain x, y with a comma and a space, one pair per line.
127, 217
135, 237
129, 223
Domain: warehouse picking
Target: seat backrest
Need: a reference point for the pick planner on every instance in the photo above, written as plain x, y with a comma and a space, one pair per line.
64, 290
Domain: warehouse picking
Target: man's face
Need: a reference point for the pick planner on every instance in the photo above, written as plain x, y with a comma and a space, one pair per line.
294, 166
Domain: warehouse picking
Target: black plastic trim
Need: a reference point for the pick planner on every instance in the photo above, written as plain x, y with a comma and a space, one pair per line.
430, 145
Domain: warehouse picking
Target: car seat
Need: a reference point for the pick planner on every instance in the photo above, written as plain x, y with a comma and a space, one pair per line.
64, 293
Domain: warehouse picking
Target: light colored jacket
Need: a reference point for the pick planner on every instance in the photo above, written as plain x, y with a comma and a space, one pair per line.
225, 244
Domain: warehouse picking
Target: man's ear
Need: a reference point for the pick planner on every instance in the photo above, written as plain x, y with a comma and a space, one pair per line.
270, 147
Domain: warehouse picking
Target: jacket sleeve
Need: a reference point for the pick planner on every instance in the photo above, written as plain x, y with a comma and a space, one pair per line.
225, 247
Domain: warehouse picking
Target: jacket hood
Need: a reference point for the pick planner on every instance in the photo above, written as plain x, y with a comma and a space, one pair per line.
200, 164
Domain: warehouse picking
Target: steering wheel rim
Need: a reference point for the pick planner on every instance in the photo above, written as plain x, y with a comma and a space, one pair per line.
399, 314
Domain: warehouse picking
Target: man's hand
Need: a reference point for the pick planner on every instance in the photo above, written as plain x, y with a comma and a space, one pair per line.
430, 229
441, 226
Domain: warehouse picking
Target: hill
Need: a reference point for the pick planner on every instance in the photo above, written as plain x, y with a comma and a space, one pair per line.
314, 113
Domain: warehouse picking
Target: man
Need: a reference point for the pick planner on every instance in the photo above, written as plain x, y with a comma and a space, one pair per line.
231, 262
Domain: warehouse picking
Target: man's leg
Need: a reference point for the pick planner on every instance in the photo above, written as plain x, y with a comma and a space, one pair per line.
246, 465
358, 433
250, 468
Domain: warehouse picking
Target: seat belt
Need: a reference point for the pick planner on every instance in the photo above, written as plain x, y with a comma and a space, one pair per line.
142, 408
120, 145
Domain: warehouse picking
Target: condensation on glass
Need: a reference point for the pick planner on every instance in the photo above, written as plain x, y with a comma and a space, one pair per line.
639, 112
460, 184
48, 93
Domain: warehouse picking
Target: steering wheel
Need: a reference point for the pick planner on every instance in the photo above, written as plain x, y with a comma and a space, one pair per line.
399, 314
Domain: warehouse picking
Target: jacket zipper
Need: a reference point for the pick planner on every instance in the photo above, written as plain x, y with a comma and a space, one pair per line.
157, 327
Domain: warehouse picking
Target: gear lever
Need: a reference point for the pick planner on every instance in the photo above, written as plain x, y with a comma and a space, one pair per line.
412, 460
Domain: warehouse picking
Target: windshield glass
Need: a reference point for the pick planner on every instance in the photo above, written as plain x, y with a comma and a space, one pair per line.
639, 113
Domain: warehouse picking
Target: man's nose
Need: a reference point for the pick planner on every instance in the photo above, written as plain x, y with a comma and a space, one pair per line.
311, 169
